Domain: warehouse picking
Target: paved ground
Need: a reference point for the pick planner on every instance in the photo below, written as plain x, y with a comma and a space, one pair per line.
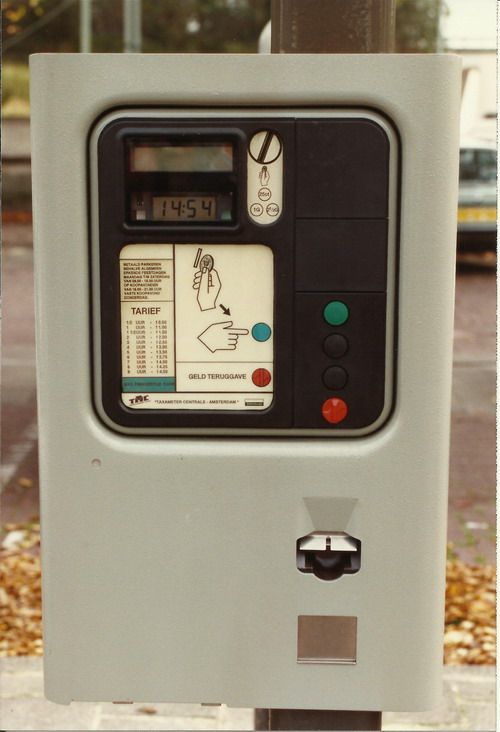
472, 506
468, 704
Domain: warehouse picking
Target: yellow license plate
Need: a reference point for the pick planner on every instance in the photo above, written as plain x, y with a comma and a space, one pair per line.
477, 213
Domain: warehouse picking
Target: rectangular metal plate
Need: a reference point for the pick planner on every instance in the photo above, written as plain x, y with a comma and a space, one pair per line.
327, 639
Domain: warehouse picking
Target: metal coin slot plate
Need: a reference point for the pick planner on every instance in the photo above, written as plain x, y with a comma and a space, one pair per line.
328, 555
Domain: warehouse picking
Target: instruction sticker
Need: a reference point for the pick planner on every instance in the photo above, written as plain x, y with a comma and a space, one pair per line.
197, 326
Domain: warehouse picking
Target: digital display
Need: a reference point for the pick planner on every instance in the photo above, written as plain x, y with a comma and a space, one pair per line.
184, 208
182, 158
181, 181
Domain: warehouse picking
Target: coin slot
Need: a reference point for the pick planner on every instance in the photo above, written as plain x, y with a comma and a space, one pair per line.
328, 555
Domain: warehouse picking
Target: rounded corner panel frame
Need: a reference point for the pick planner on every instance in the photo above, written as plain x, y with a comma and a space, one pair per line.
289, 413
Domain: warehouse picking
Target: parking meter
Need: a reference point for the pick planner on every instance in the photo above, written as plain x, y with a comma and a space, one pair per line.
245, 272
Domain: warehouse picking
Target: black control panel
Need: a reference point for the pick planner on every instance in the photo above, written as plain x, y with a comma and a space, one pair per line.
246, 272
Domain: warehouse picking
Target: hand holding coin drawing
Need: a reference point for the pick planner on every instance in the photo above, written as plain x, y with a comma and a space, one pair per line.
208, 284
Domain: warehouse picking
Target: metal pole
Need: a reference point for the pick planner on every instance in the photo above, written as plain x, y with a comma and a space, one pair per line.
333, 26
323, 719
85, 26
328, 26
132, 26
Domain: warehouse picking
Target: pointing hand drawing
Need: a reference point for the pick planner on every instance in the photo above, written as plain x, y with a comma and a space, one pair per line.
208, 284
221, 336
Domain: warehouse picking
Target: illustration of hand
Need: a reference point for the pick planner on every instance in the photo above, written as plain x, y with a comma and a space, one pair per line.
208, 284
221, 336
264, 176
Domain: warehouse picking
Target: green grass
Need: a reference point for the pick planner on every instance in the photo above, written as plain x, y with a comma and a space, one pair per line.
15, 90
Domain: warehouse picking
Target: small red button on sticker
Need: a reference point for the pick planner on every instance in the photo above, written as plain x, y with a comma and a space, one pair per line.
334, 410
261, 377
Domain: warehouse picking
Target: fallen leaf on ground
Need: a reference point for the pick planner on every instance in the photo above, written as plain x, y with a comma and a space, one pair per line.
470, 614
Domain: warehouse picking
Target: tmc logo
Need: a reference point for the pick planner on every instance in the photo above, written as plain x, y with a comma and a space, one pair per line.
139, 399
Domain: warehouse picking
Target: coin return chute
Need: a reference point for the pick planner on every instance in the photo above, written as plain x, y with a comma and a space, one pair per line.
328, 555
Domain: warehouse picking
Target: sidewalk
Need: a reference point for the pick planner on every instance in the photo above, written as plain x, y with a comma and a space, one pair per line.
468, 704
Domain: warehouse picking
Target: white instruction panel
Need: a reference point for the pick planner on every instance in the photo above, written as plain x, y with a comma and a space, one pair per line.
197, 326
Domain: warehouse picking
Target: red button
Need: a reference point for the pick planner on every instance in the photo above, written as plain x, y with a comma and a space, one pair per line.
334, 410
261, 377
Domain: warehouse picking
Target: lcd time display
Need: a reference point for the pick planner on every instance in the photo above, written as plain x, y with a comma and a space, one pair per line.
184, 208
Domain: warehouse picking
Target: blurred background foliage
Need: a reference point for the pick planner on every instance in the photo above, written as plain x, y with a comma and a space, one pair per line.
168, 26
417, 25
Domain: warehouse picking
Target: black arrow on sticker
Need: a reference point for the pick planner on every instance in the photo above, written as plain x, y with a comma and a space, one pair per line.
226, 311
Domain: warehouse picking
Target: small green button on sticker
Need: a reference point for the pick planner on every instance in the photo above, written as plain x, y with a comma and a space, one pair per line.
336, 313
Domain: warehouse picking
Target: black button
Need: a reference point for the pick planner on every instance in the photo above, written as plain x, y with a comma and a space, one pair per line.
335, 345
335, 378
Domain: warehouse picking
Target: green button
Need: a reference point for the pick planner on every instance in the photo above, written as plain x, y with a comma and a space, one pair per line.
336, 313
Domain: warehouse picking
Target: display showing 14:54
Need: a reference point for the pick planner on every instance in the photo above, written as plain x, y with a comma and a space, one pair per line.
184, 208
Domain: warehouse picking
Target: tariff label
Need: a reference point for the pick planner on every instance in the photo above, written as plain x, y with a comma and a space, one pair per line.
197, 326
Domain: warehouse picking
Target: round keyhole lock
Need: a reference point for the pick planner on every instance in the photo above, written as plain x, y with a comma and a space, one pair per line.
265, 147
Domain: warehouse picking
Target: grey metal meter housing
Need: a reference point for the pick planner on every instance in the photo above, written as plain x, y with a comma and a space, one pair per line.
175, 538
